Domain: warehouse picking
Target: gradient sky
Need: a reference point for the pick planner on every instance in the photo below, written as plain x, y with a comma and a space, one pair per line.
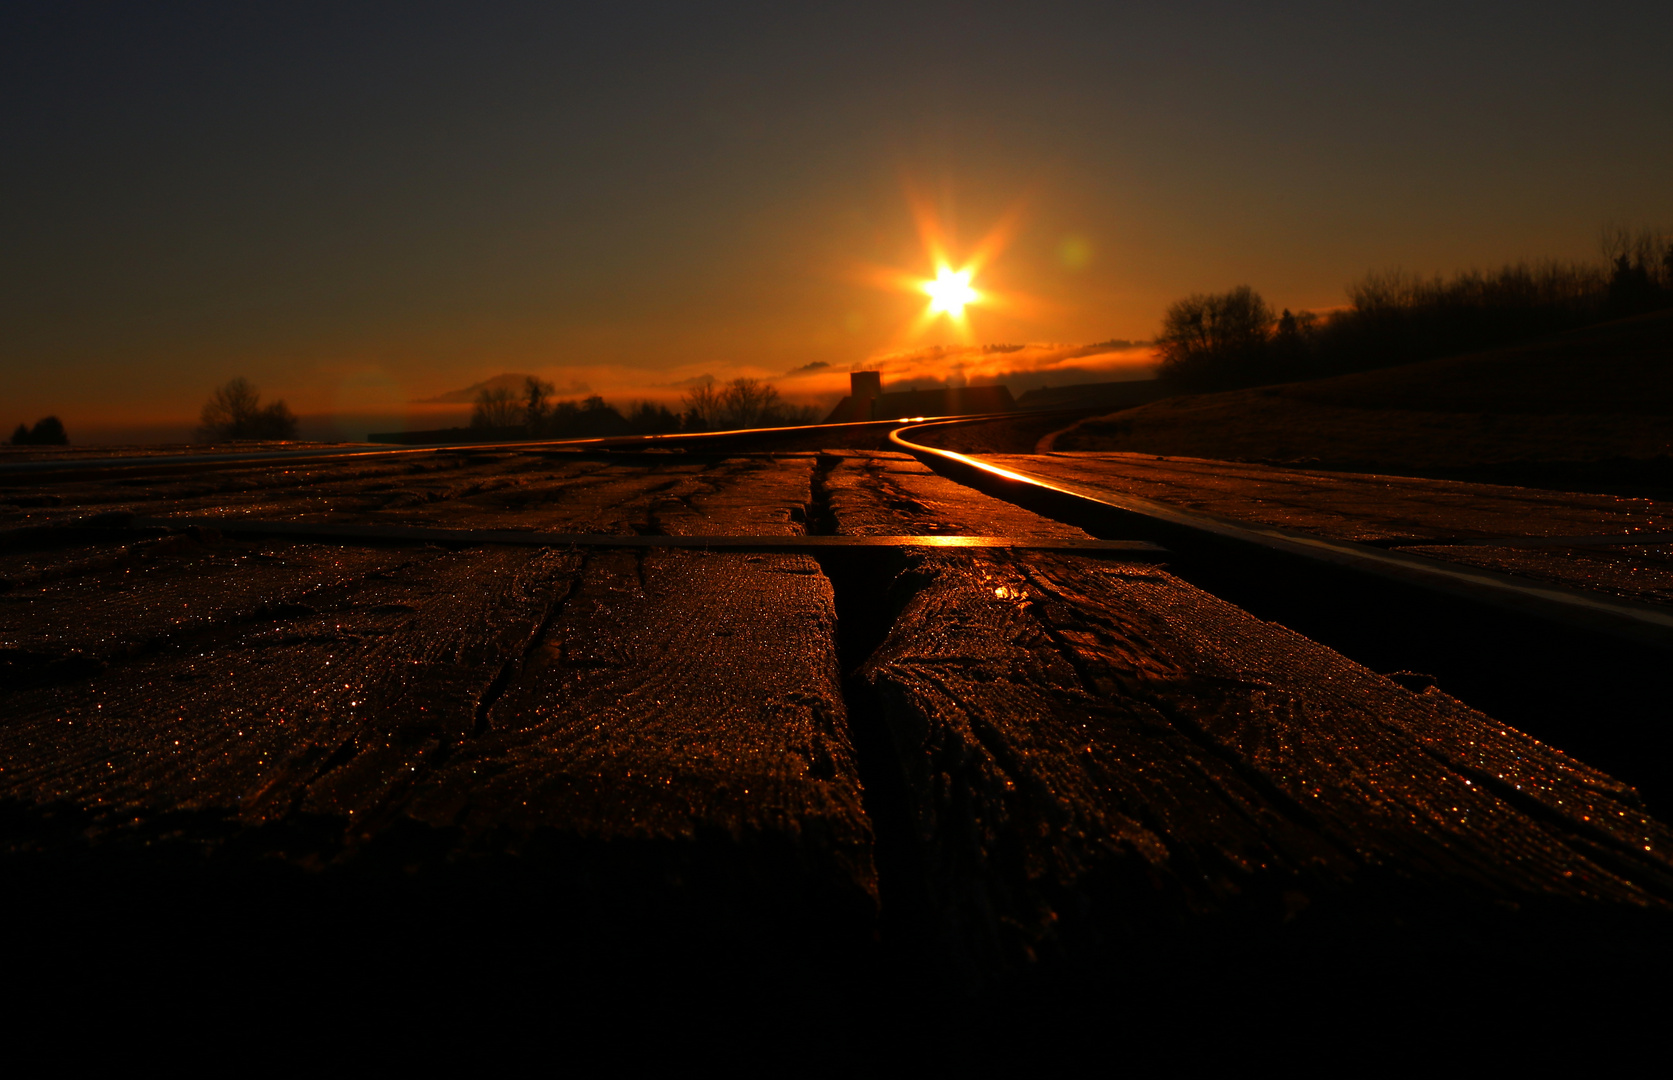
355, 205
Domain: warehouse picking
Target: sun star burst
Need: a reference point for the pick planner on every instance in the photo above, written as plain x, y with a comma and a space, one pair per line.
950, 291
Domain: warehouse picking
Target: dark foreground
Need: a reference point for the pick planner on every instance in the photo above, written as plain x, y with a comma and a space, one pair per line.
831, 804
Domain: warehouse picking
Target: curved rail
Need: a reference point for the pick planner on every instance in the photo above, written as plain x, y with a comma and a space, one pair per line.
1187, 529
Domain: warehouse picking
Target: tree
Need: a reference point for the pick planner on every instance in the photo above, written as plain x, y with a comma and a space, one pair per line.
747, 403
1631, 288
235, 411
1637, 257
1292, 344
702, 407
48, 431
1209, 337
497, 407
741, 403
537, 411
649, 418
597, 418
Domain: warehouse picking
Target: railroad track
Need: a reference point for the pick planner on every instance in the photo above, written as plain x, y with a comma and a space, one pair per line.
829, 715
1581, 669
1540, 655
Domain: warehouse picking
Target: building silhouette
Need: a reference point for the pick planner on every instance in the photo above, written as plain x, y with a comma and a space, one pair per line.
867, 401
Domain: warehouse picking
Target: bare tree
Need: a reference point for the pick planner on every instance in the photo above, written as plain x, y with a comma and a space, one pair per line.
1641, 269
747, 403
741, 403
1206, 334
235, 411
497, 407
229, 408
1636, 246
1215, 323
702, 406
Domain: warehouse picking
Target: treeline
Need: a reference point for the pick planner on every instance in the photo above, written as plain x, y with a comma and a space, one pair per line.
1222, 341
233, 412
48, 431
531, 413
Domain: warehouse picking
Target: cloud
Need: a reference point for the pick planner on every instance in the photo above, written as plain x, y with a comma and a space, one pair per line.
692, 383
1021, 367
507, 381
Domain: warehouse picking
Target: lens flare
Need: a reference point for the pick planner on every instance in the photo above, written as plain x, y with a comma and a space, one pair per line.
949, 292
955, 304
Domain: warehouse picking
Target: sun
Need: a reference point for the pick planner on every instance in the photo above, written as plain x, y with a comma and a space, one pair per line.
952, 291
949, 292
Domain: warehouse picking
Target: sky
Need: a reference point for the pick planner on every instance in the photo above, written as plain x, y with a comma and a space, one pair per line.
358, 206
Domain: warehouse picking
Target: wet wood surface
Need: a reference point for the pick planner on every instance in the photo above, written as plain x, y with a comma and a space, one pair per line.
676, 696
680, 705
1095, 755
1085, 743
1021, 759
1441, 519
556, 492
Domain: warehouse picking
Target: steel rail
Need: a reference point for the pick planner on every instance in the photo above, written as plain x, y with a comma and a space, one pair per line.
1186, 530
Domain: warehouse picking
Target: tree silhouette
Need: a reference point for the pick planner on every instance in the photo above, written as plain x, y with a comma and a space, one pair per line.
1631, 288
650, 418
537, 411
1207, 337
48, 431
702, 407
235, 411
497, 407
747, 403
741, 403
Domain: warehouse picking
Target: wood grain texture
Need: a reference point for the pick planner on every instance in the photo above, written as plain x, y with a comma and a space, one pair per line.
1100, 755
323, 706
329, 709
677, 696
68, 617
647, 493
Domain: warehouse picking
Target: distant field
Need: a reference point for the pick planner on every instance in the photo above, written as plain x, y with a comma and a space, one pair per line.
1591, 409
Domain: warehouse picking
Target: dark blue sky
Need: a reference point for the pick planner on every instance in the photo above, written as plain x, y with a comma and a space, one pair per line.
353, 203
